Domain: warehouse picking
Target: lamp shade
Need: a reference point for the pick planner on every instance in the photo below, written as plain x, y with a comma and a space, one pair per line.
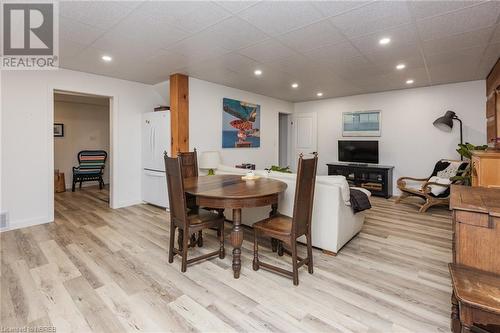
445, 123
209, 160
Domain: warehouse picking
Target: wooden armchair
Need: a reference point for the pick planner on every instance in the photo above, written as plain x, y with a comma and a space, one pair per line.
428, 190
90, 167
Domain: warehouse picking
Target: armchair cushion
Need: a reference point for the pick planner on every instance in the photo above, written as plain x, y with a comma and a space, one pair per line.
437, 190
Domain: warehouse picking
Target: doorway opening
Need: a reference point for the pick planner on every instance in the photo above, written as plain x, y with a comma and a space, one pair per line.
82, 149
284, 139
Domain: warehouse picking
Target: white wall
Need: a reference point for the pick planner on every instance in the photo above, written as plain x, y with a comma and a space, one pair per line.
27, 140
86, 126
408, 140
205, 123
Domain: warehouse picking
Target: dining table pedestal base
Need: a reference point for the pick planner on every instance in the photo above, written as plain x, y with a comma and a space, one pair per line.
232, 192
236, 242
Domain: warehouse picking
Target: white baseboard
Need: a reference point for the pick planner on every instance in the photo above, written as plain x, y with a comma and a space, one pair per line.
13, 225
127, 203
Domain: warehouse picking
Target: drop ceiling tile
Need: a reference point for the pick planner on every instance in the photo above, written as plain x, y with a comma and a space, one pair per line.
69, 48
267, 51
236, 6
205, 15
168, 59
237, 63
224, 77
89, 60
461, 21
299, 66
373, 17
232, 62
100, 14
79, 32
334, 8
145, 32
338, 53
174, 10
145, 74
190, 16
357, 68
467, 56
276, 17
456, 42
423, 9
125, 47
456, 71
490, 57
197, 48
312, 36
394, 80
402, 37
233, 34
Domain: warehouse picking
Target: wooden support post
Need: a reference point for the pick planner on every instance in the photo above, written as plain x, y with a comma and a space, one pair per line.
179, 112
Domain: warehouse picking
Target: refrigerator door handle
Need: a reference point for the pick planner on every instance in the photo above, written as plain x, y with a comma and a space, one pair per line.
154, 140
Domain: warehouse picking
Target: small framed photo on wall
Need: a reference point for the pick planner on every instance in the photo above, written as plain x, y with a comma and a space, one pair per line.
58, 130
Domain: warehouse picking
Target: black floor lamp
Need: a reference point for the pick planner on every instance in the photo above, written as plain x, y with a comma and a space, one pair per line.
445, 123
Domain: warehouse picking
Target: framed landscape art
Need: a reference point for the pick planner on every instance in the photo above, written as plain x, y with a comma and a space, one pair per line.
361, 123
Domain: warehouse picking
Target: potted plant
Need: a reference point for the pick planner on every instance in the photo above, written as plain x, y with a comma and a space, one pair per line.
465, 150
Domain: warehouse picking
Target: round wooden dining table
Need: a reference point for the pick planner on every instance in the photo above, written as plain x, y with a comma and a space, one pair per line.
231, 191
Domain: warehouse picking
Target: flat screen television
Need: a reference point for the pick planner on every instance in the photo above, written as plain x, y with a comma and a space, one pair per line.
358, 151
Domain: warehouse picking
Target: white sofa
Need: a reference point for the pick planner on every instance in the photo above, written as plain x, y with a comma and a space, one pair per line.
333, 222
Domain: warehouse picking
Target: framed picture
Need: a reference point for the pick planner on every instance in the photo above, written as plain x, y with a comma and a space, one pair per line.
58, 130
240, 124
361, 123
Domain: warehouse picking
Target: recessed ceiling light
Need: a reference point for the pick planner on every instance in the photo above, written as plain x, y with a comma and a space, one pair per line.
400, 66
409, 81
384, 41
106, 58
295, 85
319, 94
257, 72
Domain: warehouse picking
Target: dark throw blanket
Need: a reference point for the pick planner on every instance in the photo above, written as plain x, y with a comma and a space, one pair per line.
359, 201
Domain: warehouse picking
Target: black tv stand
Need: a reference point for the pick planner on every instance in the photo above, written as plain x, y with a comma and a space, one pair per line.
374, 177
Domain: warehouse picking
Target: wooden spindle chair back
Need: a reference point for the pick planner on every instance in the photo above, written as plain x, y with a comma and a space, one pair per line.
304, 196
175, 186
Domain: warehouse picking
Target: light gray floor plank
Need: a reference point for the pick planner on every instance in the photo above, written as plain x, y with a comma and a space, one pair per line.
103, 270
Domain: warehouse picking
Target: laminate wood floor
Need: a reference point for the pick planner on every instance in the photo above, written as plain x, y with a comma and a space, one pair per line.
102, 270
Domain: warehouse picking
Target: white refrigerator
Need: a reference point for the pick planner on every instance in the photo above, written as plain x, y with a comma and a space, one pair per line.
155, 141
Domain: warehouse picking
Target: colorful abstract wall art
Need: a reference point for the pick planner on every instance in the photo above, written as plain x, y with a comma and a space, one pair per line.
240, 124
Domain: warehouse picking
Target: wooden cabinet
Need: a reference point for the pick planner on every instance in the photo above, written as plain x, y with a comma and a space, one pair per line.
486, 168
475, 270
493, 106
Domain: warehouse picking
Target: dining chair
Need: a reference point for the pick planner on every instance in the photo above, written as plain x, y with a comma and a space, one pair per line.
187, 224
189, 167
287, 229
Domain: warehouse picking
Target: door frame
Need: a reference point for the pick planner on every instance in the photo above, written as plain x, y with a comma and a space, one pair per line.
277, 138
289, 137
113, 141
294, 138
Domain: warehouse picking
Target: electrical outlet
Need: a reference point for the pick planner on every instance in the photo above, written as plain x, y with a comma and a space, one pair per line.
4, 220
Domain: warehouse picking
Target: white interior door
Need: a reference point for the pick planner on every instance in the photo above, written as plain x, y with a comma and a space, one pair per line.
305, 135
